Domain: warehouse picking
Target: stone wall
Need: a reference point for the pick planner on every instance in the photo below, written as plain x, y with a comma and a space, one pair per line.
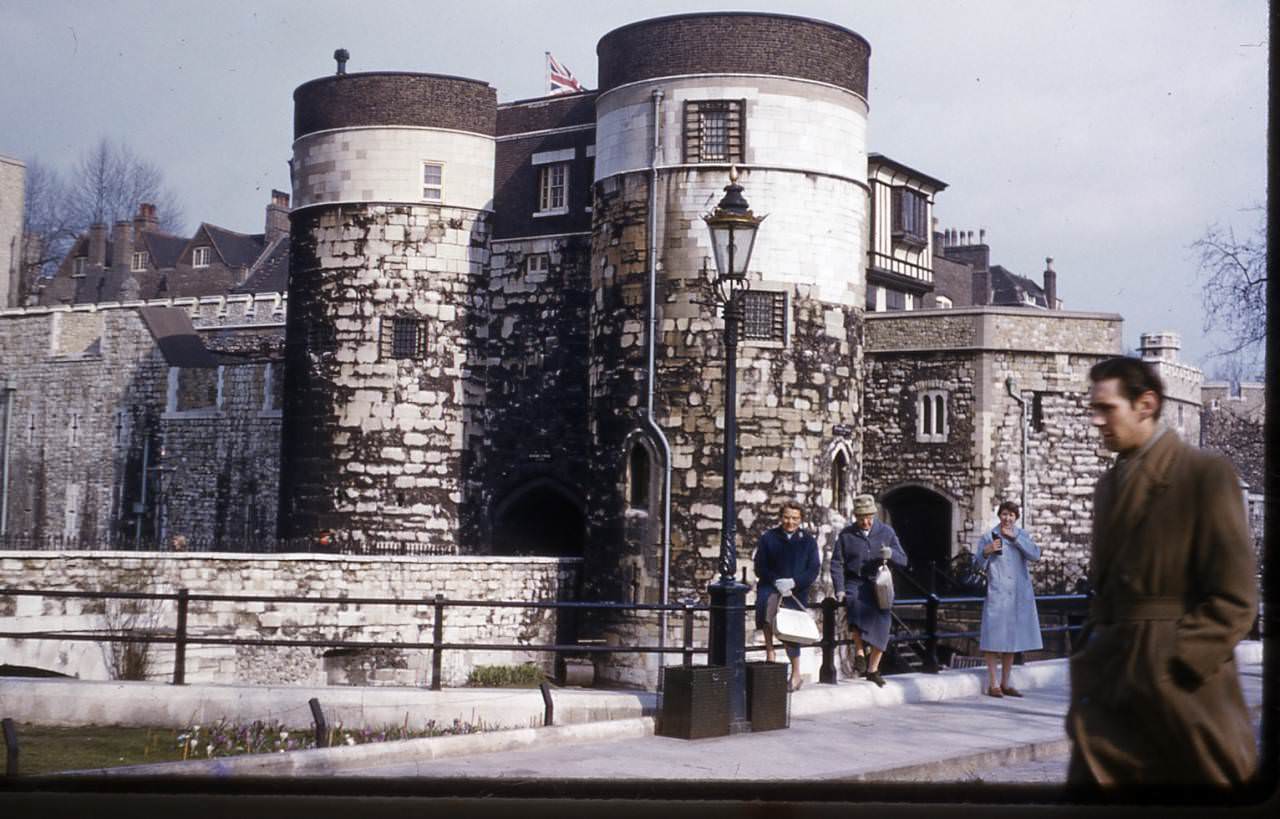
92, 395
413, 580
971, 357
372, 442
12, 182
535, 421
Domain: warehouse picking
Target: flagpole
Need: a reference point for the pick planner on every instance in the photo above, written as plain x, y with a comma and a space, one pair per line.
546, 71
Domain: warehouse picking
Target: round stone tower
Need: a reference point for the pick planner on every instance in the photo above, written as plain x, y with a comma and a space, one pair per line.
682, 99
392, 197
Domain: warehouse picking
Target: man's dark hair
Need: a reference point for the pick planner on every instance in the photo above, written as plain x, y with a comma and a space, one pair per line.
1135, 376
1009, 506
791, 505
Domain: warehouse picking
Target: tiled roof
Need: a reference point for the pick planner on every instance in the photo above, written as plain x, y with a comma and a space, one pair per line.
236, 249
270, 274
1009, 288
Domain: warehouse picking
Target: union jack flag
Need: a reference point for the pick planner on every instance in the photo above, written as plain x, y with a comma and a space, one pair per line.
560, 80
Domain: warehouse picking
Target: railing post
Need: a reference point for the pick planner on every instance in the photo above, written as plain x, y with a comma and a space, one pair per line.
180, 640
827, 673
437, 639
322, 728
11, 748
931, 633
687, 636
548, 707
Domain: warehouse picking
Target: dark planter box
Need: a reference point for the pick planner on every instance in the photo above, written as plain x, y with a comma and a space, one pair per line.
767, 701
695, 702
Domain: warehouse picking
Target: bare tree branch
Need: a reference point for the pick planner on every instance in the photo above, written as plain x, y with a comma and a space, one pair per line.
1234, 289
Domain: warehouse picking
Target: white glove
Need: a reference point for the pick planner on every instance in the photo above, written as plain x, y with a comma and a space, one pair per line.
784, 585
840, 597
886, 552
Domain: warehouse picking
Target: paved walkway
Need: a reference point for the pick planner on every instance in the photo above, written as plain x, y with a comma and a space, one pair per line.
917, 728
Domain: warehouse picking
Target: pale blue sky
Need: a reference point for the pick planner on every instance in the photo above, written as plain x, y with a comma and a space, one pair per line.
1105, 134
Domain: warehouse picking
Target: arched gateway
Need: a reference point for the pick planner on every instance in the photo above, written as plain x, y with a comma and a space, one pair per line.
923, 520
539, 518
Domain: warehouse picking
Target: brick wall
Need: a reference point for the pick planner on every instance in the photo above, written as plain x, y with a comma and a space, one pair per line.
734, 43
389, 98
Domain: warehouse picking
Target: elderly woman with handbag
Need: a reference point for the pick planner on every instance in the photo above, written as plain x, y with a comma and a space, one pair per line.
786, 564
861, 550
1009, 620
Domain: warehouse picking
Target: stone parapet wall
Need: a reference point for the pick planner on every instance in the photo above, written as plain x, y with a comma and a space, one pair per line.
206, 312
414, 580
995, 328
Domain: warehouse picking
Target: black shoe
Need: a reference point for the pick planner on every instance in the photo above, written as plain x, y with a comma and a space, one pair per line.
874, 676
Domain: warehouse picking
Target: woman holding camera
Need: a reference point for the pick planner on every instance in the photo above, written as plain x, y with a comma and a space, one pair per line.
1009, 620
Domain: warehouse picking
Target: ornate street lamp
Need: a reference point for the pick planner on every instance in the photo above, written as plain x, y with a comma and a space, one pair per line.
733, 235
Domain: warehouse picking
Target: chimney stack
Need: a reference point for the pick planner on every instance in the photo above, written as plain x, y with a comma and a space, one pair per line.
121, 245
97, 245
145, 220
277, 216
982, 236
342, 55
1050, 284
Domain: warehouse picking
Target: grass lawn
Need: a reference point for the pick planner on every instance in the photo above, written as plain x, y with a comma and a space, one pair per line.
46, 750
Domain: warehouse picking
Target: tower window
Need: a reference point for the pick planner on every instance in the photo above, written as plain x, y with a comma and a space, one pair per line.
553, 186
713, 130
931, 417
1037, 412
764, 315
432, 181
404, 338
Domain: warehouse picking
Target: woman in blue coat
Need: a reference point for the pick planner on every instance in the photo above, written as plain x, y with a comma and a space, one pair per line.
858, 552
1009, 620
786, 564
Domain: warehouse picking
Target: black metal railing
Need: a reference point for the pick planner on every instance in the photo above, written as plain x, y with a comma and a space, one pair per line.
928, 637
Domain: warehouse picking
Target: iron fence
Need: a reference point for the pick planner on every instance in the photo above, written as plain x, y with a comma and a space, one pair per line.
180, 637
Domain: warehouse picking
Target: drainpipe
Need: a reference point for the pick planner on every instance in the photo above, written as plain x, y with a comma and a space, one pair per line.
142, 494
1022, 403
650, 366
9, 389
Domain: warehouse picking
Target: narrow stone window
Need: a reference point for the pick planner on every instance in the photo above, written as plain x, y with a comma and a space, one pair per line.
1037, 412
764, 315
931, 417
432, 181
638, 478
713, 130
73, 430
404, 338
839, 481
200, 256
31, 428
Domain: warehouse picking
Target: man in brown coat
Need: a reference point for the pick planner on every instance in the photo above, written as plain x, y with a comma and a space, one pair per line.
1155, 696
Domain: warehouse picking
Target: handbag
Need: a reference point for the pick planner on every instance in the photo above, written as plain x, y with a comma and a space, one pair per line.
793, 626
884, 587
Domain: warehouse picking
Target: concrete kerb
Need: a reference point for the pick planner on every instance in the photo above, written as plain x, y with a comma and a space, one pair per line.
149, 704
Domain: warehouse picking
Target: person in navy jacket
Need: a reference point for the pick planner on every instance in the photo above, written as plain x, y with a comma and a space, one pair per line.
786, 564
858, 552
